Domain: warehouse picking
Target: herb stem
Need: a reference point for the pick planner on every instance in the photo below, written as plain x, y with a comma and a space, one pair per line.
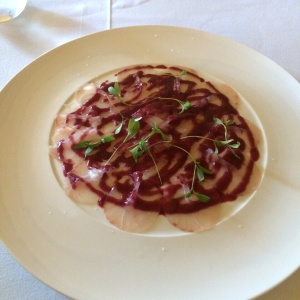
155, 164
113, 154
182, 149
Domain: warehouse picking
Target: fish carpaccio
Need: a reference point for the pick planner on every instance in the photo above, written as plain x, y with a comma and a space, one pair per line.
155, 140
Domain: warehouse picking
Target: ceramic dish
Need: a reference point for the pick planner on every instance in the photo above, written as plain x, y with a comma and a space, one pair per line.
83, 257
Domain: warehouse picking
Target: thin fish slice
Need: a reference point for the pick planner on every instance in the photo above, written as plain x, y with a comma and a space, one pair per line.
198, 221
129, 218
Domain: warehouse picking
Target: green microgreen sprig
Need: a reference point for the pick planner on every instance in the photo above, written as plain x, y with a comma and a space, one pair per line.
120, 126
116, 91
224, 124
228, 143
200, 172
141, 147
132, 129
184, 105
182, 73
202, 197
91, 145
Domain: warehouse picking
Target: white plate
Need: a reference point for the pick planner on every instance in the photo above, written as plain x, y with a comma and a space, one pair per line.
70, 251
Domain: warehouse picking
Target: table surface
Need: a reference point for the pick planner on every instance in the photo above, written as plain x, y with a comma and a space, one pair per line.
270, 27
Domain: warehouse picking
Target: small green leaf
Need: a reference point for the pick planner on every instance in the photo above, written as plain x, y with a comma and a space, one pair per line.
223, 143
204, 170
135, 153
200, 171
229, 122
107, 139
112, 91
133, 128
138, 119
119, 128
82, 145
116, 91
203, 198
182, 73
185, 106
235, 146
187, 195
90, 145
139, 149
117, 88
218, 121
88, 150
216, 149
200, 175
227, 143
157, 130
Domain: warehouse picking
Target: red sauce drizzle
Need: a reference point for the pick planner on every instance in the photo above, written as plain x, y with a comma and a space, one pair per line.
207, 103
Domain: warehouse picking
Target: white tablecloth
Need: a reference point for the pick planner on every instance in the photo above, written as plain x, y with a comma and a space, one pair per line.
271, 27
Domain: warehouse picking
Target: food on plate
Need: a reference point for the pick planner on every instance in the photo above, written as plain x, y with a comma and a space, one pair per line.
156, 140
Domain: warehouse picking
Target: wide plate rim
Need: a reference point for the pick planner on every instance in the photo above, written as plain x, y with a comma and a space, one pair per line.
157, 28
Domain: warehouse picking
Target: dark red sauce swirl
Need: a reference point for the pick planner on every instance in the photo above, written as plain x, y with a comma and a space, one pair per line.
152, 94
